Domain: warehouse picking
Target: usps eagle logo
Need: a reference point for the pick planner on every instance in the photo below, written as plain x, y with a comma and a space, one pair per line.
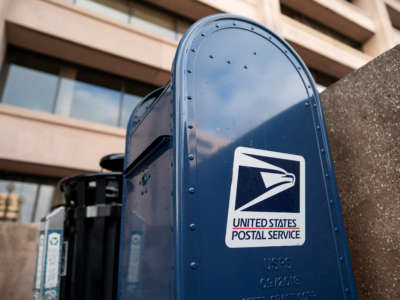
267, 199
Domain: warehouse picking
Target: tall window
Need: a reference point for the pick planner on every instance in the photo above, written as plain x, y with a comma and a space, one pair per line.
38, 82
139, 14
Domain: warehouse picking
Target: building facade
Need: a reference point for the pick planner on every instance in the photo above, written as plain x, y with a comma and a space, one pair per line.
73, 70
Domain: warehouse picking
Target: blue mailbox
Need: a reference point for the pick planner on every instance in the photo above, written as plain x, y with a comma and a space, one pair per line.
229, 188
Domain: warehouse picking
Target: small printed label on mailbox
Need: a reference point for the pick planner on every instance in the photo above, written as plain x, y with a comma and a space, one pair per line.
267, 199
52, 264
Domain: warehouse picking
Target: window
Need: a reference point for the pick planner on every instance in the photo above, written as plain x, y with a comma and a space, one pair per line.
116, 9
24, 201
139, 14
64, 89
30, 78
96, 97
153, 20
298, 16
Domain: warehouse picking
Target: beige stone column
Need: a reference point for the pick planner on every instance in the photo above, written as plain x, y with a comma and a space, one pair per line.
65, 92
270, 14
383, 39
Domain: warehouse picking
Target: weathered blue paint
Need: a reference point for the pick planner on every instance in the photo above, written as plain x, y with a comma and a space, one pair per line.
234, 84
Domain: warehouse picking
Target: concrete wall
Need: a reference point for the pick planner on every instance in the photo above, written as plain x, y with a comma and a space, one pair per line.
362, 113
18, 243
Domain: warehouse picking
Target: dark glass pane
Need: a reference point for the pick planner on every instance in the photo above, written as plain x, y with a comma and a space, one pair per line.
30, 80
27, 194
96, 97
30, 88
116, 9
153, 19
94, 103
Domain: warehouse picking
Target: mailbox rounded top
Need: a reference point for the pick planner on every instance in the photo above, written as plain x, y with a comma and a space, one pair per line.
197, 35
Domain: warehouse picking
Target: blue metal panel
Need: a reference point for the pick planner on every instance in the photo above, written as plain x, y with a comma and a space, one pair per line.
237, 84
244, 117
152, 128
146, 249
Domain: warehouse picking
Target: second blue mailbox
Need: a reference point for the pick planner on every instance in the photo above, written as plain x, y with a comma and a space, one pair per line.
229, 189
